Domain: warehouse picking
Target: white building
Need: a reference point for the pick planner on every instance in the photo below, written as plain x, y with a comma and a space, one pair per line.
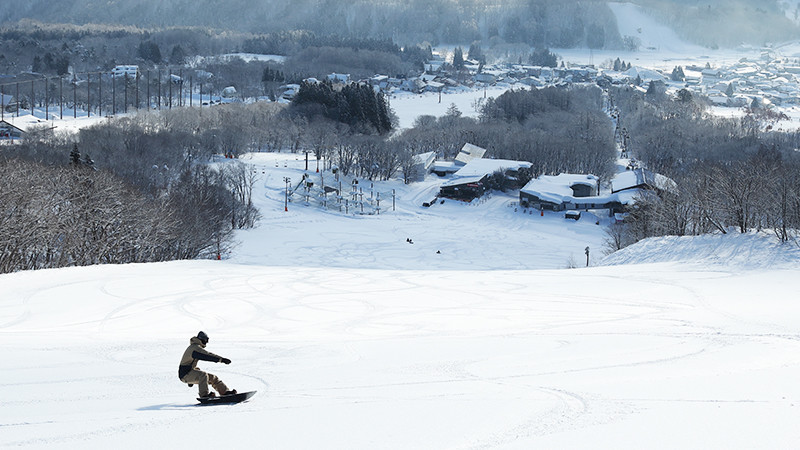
121, 71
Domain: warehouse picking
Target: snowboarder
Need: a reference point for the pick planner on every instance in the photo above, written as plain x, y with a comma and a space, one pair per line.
189, 374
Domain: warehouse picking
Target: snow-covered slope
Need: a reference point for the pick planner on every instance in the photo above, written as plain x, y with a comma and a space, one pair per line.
633, 21
355, 338
657, 356
755, 250
660, 47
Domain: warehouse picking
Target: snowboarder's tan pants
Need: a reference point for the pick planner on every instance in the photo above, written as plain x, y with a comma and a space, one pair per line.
203, 379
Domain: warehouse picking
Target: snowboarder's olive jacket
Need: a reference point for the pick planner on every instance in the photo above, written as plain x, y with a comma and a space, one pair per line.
195, 352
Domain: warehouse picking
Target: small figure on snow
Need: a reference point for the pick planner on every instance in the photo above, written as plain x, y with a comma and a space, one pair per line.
190, 374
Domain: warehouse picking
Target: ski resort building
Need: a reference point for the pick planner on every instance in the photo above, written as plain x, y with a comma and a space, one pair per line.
423, 163
582, 192
642, 179
562, 192
470, 182
467, 153
566, 192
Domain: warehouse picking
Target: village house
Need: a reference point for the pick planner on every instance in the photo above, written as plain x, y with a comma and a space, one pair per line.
342, 78
485, 78
12, 130
289, 91
415, 85
130, 71
6, 101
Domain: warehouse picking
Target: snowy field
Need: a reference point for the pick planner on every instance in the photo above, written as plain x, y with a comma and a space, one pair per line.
409, 106
355, 338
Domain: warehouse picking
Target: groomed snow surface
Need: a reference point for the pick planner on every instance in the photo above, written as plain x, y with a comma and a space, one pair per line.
358, 339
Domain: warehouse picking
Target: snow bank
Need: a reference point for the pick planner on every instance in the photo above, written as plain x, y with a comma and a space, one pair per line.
753, 250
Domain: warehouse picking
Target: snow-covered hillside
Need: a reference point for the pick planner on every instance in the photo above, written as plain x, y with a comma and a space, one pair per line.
356, 338
755, 250
633, 21
660, 46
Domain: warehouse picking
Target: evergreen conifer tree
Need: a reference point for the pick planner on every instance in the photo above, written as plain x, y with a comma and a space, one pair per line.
458, 58
677, 74
75, 156
729, 91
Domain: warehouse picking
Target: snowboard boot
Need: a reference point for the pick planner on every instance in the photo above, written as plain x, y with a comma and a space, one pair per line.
231, 392
209, 395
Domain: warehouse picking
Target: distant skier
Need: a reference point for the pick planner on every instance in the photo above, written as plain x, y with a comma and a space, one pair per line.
189, 374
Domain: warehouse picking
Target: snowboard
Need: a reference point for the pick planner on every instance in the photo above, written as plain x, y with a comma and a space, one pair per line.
227, 399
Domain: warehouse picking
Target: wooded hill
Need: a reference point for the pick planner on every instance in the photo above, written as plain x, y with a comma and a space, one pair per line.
539, 23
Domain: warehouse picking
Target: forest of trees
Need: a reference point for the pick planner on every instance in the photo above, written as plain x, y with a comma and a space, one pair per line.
34, 52
354, 104
537, 23
732, 173
540, 23
129, 190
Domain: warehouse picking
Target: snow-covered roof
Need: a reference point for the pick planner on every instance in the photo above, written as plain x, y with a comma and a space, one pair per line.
426, 158
463, 180
625, 180
476, 169
483, 166
445, 166
558, 188
640, 177
340, 77
468, 152
746, 71
434, 66
23, 123
644, 74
